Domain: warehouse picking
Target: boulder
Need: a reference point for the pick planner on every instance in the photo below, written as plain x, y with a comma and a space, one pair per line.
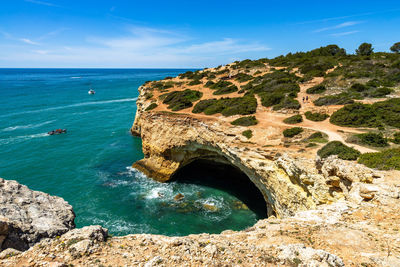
27, 216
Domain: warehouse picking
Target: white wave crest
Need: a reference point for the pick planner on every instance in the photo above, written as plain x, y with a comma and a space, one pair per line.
76, 77
74, 105
28, 126
17, 139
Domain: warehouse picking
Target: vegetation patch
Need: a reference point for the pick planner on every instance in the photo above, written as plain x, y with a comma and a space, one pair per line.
396, 138
151, 106
162, 86
243, 77
194, 82
364, 115
222, 87
292, 132
341, 150
178, 100
316, 116
370, 139
293, 119
388, 159
318, 89
245, 105
317, 137
339, 99
245, 121
248, 134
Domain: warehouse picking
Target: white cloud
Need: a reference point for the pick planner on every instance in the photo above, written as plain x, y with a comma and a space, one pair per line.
139, 47
28, 41
43, 3
339, 26
343, 33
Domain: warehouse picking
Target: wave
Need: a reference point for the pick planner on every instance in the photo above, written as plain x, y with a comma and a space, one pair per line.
75, 77
74, 105
17, 139
28, 126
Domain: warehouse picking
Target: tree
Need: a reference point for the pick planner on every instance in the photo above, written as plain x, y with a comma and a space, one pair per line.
365, 49
396, 48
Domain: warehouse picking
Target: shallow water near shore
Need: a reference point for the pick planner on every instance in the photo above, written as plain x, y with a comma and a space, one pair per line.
89, 166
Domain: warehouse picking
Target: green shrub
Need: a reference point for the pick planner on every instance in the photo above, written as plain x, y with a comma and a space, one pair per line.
287, 103
358, 87
151, 106
388, 159
292, 132
339, 99
372, 139
355, 115
248, 134
194, 82
318, 89
245, 105
178, 100
316, 116
293, 119
341, 150
245, 121
317, 137
242, 77
270, 99
396, 138
375, 115
222, 87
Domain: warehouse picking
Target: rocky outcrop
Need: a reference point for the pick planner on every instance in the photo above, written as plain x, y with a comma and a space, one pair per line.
288, 183
27, 216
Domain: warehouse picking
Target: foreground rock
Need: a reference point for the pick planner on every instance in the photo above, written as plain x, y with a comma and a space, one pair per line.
27, 216
345, 233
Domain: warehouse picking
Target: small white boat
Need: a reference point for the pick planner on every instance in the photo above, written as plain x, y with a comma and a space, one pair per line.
91, 92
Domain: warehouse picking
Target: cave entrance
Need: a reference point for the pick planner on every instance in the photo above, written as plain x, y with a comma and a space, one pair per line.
225, 177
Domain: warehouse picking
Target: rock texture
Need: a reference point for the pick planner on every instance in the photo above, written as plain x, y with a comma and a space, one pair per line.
344, 233
27, 216
288, 182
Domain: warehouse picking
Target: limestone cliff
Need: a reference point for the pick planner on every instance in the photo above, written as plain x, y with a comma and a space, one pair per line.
288, 182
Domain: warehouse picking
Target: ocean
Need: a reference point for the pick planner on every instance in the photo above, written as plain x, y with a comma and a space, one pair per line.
89, 166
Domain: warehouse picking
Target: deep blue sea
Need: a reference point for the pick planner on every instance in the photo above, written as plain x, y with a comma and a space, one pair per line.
90, 165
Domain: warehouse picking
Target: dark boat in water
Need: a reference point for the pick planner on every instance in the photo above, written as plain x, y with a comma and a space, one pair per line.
58, 131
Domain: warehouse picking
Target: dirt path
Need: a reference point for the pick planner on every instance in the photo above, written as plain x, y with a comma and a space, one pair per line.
268, 119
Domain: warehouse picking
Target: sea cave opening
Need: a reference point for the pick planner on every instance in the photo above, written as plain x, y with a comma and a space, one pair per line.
219, 174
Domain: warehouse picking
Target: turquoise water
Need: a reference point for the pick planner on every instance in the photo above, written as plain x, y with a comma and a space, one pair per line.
89, 166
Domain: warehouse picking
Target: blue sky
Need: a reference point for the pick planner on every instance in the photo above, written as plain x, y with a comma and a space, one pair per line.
180, 34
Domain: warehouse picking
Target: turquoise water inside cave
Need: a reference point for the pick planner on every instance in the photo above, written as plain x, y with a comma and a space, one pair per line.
90, 165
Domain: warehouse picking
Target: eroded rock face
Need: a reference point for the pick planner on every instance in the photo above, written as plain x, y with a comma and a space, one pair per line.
27, 216
288, 183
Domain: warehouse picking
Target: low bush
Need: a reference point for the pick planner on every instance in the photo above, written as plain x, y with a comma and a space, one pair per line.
363, 115
151, 106
317, 137
178, 100
248, 134
194, 82
292, 132
245, 105
318, 89
372, 139
341, 150
396, 138
388, 159
293, 119
287, 103
243, 77
222, 87
355, 115
245, 121
339, 99
316, 116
